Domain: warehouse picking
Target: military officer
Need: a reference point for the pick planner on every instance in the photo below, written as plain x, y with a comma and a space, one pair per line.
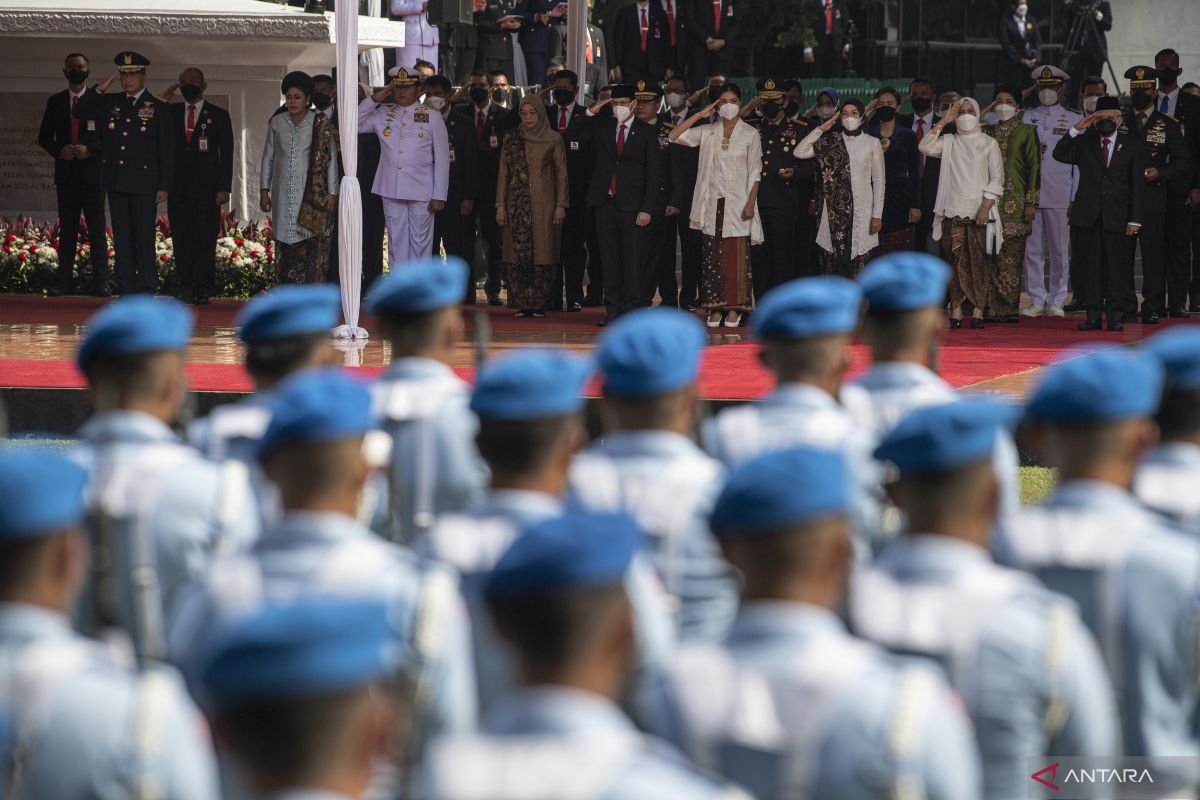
806, 328
138, 145
453, 229
1049, 238
414, 167
1167, 157
659, 273
159, 511
646, 465
558, 595
1168, 473
792, 705
420, 402
1029, 673
1136, 580
776, 260
77, 709
530, 426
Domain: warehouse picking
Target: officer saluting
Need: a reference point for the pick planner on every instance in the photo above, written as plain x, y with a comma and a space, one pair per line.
139, 165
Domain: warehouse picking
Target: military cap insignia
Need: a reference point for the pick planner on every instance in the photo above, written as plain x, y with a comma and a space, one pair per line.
641, 86
769, 85
1047, 74
1140, 73
128, 59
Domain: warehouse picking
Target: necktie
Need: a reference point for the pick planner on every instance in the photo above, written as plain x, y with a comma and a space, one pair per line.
1166, 103
645, 30
321, 114
676, 119
588, 50
74, 121
716, 17
612, 187
562, 121
1105, 143
920, 136
671, 19
828, 17
479, 120
191, 123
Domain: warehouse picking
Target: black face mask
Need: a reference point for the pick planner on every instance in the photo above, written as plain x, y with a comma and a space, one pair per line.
191, 92
790, 108
1167, 76
479, 95
770, 109
564, 97
322, 100
1106, 127
885, 114
499, 95
77, 75
922, 104
1141, 99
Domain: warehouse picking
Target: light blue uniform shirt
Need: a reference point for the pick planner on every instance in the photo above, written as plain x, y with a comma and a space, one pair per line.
75, 705
802, 414
152, 484
230, 433
1028, 671
1168, 481
436, 468
1137, 583
793, 706
550, 743
667, 483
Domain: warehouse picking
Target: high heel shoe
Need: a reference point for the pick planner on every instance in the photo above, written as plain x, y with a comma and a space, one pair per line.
715, 319
732, 320
976, 324
955, 323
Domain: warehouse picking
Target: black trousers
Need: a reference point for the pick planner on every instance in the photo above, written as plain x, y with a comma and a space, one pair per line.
1105, 271
485, 224
1194, 292
1178, 235
627, 257
194, 223
535, 69
455, 233
775, 261
702, 63
77, 198
573, 256
595, 264
676, 232
133, 218
1152, 238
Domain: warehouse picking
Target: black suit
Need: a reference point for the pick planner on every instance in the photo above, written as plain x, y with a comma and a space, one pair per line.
930, 170
495, 49
777, 259
830, 37
1093, 47
700, 23
203, 167
1106, 202
456, 51
625, 247
1018, 42
573, 259
536, 37
77, 183
682, 165
1182, 279
496, 122
452, 228
626, 41
139, 161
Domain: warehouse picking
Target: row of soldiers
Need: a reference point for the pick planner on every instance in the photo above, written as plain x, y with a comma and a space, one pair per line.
415, 586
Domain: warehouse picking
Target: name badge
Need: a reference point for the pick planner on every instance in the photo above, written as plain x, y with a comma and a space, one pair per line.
452, 155
574, 145
493, 141
421, 116
1158, 137
91, 125
203, 144
729, 12
1059, 131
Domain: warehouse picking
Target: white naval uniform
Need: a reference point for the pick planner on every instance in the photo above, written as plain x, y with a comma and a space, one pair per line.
1049, 238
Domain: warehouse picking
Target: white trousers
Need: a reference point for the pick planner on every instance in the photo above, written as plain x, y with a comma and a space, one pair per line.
1050, 238
410, 230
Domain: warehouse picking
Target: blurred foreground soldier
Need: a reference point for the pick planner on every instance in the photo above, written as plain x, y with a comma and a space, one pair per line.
76, 710
158, 511
792, 705
558, 598
301, 697
1136, 580
420, 402
1169, 473
531, 425
647, 466
806, 328
1029, 673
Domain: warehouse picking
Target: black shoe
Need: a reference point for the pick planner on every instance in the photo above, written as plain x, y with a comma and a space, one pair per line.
691, 305
1149, 318
59, 290
574, 307
1073, 308
201, 300
1116, 327
955, 323
593, 300
1090, 326
494, 300
524, 314
1194, 308
1013, 318
976, 324
603, 323
1178, 313
538, 314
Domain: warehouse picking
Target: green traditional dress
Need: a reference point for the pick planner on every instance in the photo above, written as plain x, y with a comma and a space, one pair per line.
1021, 152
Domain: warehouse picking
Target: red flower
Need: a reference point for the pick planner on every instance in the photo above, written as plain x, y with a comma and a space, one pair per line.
22, 257
239, 242
10, 238
163, 258
8, 248
110, 252
235, 254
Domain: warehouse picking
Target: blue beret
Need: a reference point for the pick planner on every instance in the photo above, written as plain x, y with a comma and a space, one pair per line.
1178, 350
808, 307
40, 492
904, 282
137, 324
317, 405
1098, 387
529, 384
651, 351
574, 551
290, 310
423, 285
782, 487
308, 647
942, 437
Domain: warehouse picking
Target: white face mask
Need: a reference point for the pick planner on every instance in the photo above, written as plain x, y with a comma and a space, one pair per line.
622, 113
1048, 97
729, 110
675, 100
1089, 104
436, 103
851, 123
966, 122
1005, 112
824, 112
1022, 10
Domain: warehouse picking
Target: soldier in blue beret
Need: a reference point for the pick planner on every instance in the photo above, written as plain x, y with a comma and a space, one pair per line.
806, 328
75, 707
647, 465
559, 599
1168, 476
1136, 578
421, 402
1030, 674
313, 451
300, 696
827, 704
157, 505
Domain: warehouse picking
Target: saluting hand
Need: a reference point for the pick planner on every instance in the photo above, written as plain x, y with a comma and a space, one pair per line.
594, 108
871, 106
160, 197
169, 92
103, 87
828, 124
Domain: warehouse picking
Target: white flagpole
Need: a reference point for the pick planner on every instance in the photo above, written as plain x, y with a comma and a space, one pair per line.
350, 194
